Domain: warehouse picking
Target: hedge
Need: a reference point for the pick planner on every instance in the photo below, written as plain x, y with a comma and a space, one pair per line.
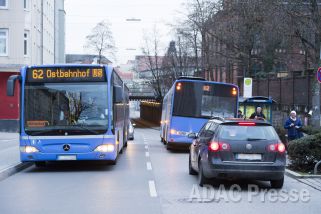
305, 152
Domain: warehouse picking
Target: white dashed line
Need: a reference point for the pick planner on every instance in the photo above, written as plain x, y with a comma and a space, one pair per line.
149, 166
152, 189
146, 147
147, 154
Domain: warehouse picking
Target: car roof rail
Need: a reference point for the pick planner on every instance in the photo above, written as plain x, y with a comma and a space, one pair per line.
218, 118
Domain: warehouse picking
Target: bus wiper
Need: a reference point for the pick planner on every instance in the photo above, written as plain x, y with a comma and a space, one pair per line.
87, 129
254, 139
36, 133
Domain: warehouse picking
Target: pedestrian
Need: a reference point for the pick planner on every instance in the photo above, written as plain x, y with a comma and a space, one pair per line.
258, 114
294, 125
240, 114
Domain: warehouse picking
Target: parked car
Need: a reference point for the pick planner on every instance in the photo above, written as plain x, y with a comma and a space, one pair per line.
237, 149
131, 131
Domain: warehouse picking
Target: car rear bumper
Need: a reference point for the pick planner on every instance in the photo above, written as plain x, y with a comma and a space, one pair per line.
262, 171
39, 156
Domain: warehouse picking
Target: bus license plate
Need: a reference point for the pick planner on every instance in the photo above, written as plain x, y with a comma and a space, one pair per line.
248, 156
66, 157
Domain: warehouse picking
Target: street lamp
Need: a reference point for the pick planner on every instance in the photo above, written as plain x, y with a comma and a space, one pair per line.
133, 20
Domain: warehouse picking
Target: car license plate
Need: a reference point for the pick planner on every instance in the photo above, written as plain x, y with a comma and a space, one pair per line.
66, 157
248, 156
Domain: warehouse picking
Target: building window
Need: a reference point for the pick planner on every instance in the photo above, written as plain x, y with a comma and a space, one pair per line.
3, 4
26, 43
3, 42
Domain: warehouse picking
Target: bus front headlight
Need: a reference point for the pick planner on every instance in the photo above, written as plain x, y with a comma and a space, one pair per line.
105, 148
28, 149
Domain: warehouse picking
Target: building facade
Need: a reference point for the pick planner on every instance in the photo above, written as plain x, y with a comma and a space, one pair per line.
31, 32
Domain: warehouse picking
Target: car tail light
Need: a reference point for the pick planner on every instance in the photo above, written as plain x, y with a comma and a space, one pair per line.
224, 146
215, 146
279, 147
246, 124
272, 147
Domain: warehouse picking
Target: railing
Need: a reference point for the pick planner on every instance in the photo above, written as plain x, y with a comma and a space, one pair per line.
316, 167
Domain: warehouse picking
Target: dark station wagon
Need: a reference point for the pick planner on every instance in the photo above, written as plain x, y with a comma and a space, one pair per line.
237, 149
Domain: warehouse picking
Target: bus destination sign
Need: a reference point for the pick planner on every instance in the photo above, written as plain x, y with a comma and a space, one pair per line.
66, 74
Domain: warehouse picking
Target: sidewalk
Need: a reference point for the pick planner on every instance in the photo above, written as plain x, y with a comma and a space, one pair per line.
9, 154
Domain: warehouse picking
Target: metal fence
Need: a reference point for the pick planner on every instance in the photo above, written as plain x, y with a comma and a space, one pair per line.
291, 90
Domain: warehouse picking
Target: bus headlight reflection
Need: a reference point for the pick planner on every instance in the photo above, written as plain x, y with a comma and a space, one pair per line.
28, 149
105, 148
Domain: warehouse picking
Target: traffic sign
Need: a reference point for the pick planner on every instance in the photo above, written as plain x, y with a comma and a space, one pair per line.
319, 75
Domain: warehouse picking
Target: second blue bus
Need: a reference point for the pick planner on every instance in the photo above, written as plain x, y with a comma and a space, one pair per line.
190, 103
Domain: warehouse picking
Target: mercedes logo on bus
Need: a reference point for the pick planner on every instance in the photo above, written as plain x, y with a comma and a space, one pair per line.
66, 147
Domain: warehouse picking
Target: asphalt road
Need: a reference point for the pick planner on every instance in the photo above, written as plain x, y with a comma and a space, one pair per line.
147, 179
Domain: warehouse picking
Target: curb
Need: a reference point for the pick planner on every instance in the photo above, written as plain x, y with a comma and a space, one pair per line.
296, 175
11, 170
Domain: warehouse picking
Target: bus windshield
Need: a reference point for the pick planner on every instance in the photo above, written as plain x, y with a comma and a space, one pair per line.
204, 100
66, 108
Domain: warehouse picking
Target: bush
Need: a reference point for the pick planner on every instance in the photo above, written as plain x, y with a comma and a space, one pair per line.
309, 130
281, 132
305, 152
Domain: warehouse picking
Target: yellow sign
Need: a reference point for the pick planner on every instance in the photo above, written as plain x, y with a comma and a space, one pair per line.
47, 74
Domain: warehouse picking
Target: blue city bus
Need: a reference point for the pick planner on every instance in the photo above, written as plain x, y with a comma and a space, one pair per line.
71, 112
190, 103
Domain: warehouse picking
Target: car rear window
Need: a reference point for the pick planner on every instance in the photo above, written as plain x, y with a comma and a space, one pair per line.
234, 132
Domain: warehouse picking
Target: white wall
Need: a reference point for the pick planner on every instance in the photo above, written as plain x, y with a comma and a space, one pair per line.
43, 24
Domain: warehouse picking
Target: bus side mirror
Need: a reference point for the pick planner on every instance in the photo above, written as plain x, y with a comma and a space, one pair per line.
118, 94
11, 84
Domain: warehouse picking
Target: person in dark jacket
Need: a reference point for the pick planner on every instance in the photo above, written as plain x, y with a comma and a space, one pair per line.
240, 114
258, 114
293, 124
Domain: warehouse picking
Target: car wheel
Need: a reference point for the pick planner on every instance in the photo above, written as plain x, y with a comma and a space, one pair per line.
168, 146
113, 162
191, 171
40, 164
201, 178
277, 184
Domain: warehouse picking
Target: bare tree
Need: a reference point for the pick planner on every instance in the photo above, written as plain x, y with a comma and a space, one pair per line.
101, 40
153, 62
305, 17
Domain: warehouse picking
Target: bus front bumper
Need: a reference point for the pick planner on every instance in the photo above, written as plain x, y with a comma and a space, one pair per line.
39, 156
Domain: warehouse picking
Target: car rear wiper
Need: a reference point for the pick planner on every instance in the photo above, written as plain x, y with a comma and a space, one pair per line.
254, 139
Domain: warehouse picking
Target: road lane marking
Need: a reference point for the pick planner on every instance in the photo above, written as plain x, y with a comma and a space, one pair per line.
147, 154
149, 166
146, 147
152, 189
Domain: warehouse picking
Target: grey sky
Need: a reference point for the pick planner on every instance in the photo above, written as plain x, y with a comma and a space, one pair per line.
82, 16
